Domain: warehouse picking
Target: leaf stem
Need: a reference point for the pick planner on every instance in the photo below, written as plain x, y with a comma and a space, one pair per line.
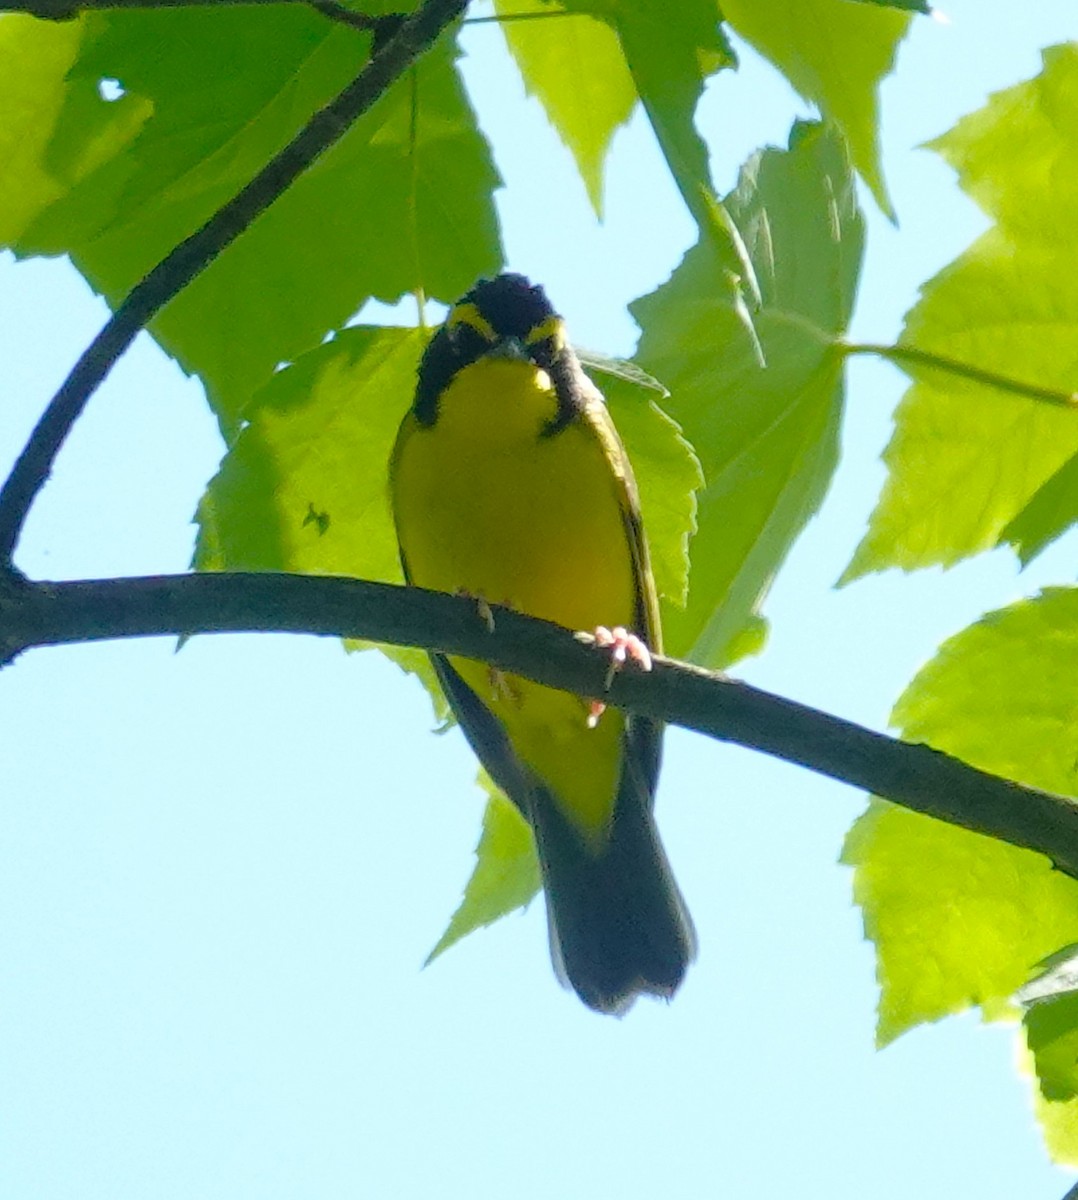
911, 354
504, 18
411, 38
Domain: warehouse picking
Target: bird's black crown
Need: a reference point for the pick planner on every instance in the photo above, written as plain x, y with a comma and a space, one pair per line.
512, 305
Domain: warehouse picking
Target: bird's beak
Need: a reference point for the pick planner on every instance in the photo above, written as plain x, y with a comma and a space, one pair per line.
512, 348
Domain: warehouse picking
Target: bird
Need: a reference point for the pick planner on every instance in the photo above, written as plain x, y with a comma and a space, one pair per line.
510, 484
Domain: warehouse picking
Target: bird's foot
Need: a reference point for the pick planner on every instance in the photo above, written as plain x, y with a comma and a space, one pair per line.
503, 687
624, 647
482, 606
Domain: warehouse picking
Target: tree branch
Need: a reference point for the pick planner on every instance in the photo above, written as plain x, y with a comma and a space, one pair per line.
182, 264
922, 779
67, 10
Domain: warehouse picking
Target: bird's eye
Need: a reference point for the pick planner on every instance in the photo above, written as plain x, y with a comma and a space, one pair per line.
468, 342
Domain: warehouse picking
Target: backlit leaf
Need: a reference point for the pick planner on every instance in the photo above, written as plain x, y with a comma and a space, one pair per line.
961, 920
574, 65
767, 437
971, 466
402, 203
506, 874
834, 53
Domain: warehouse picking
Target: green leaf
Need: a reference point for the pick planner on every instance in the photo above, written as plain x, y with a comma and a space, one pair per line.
971, 467
1052, 1036
304, 487
506, 874
767, 437
668, 476
56, 130
574, 65
621, 368
402, 203
670, 52
1059, 1124
1051, 1028
1052, 510
835, 54
959, 919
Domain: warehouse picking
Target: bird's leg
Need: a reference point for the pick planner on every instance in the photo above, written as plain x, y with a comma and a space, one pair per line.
482, 606
501, 688
624, 647
485, 613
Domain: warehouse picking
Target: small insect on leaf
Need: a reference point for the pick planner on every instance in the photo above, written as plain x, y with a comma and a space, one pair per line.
316, 517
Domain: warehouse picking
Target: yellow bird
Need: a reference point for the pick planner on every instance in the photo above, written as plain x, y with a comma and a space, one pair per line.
510, 484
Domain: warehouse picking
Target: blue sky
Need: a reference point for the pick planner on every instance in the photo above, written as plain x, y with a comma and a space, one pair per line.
221, 870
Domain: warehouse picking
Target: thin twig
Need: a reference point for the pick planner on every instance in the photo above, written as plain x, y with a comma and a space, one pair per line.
925, 358
505, 18
347, 16
922, 779
66, 10
182, 264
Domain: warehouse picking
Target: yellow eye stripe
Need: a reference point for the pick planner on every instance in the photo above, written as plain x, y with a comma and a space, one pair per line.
469, 314
552, 328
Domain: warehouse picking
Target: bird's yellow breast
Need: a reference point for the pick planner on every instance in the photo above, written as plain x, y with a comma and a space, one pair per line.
489, 504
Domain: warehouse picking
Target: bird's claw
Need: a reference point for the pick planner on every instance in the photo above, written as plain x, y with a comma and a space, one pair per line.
624, 647
482, 607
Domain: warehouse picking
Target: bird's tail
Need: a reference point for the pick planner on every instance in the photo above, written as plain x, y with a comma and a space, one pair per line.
618, 924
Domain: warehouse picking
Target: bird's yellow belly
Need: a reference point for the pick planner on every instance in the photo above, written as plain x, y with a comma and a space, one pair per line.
534, 523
